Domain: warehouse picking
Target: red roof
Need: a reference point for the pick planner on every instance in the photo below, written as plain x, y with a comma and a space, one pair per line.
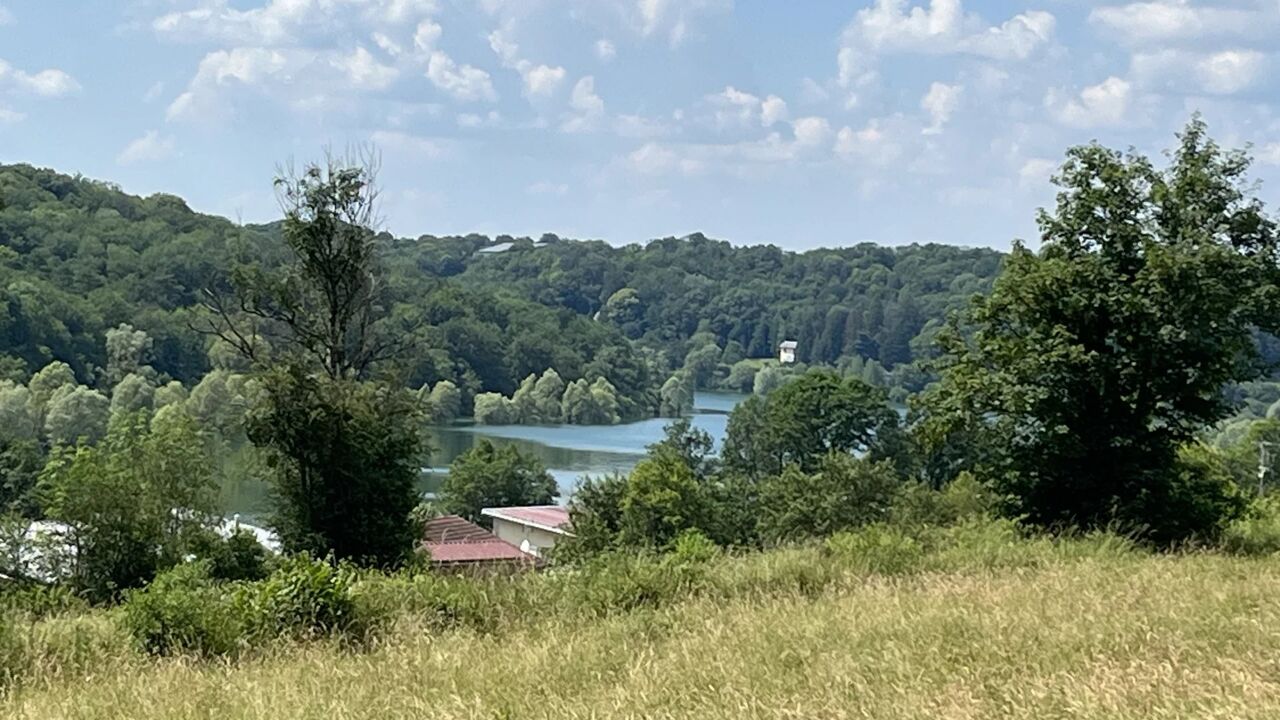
551, 517
468, 551
451, 528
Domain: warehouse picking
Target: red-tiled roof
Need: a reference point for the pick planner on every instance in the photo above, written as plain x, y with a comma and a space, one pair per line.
476, 551
550, 517
451, 528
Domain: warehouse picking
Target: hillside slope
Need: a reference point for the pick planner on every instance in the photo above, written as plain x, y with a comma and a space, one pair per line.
1032, 635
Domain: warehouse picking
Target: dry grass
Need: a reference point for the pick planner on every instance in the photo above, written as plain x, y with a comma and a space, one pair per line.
1129, 636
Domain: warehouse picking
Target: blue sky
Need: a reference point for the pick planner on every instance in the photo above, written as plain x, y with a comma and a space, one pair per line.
800, 123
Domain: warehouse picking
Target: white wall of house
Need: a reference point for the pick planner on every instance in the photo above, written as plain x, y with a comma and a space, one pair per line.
530, 539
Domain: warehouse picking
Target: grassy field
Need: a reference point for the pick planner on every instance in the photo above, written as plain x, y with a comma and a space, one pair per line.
1086, 631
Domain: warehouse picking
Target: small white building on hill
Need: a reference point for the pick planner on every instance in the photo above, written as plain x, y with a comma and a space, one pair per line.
787, 351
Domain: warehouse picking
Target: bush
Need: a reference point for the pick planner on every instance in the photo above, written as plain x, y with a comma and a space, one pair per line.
302, 599
40, 601
876, 549
963, 498
183, 611
442, 601
1258, 531
692, 547
622, 582
238, 557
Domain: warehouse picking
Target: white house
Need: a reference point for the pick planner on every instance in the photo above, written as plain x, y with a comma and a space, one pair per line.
787, 351
534, 529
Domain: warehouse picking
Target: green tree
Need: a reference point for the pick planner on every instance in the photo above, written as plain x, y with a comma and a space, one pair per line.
494, 409
444, 402
77, 414
491, 476
805, 420
1074, 385
676, 395
841, 493
132, 394
663, 498
134, 502
346, 457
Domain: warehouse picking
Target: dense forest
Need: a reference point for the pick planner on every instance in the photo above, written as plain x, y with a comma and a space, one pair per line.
79, 257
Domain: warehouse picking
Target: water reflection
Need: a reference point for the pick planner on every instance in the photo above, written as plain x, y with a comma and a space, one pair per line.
568, 451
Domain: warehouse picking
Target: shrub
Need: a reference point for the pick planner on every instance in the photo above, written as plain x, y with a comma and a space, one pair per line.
302, 599
40, 601
876, 549
183, 611
692, 546
1258, 531
441, 601
238, 557
621, 582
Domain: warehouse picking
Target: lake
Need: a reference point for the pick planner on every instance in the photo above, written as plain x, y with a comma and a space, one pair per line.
568, 451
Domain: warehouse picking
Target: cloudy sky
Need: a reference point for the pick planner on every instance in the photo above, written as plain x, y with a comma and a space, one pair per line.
801, 123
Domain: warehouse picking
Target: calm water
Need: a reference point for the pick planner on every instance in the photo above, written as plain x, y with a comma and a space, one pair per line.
568, 451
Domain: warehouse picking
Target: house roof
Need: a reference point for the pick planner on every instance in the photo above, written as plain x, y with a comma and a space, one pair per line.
451, 528
477, 551
452, 540
552, 518
788, 344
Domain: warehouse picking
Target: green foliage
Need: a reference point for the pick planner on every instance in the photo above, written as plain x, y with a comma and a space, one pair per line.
133, 502
239, 556
676, 395
878, 548
663, 498
494, 409
183, 612
77, 414
802, 422
841, 493
444, 403
1257, 530
492, 476
1075, 384
302, 599
344, 458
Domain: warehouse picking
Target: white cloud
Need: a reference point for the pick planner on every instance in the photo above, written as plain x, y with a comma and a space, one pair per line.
636, 126
871, 145
1035, 172
284, 22
472, 120
539, 80
588, 107
465, 83
1164, 21
364, 71
46, 83
151, 147
425, 37
1229, 71
940, 102
941, 28
1188, 72
734, 108
673, 18
1269, 154
406, 144
547, 188
154, 92
6, 17
772, 110
605, 50
1106, 103
542, 80
9, 117
811, 131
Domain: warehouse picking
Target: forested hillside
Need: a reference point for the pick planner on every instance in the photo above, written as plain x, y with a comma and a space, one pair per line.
79, 257
875, 302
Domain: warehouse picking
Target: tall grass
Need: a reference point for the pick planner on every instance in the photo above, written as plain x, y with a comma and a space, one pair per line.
1077, 628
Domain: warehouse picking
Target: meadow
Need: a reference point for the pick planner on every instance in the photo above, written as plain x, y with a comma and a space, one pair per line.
981, 620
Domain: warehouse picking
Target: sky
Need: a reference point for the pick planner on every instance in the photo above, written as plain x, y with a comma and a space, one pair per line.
801, 123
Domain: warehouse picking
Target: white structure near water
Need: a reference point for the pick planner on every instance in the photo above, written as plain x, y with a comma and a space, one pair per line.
787, 351
534, 529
